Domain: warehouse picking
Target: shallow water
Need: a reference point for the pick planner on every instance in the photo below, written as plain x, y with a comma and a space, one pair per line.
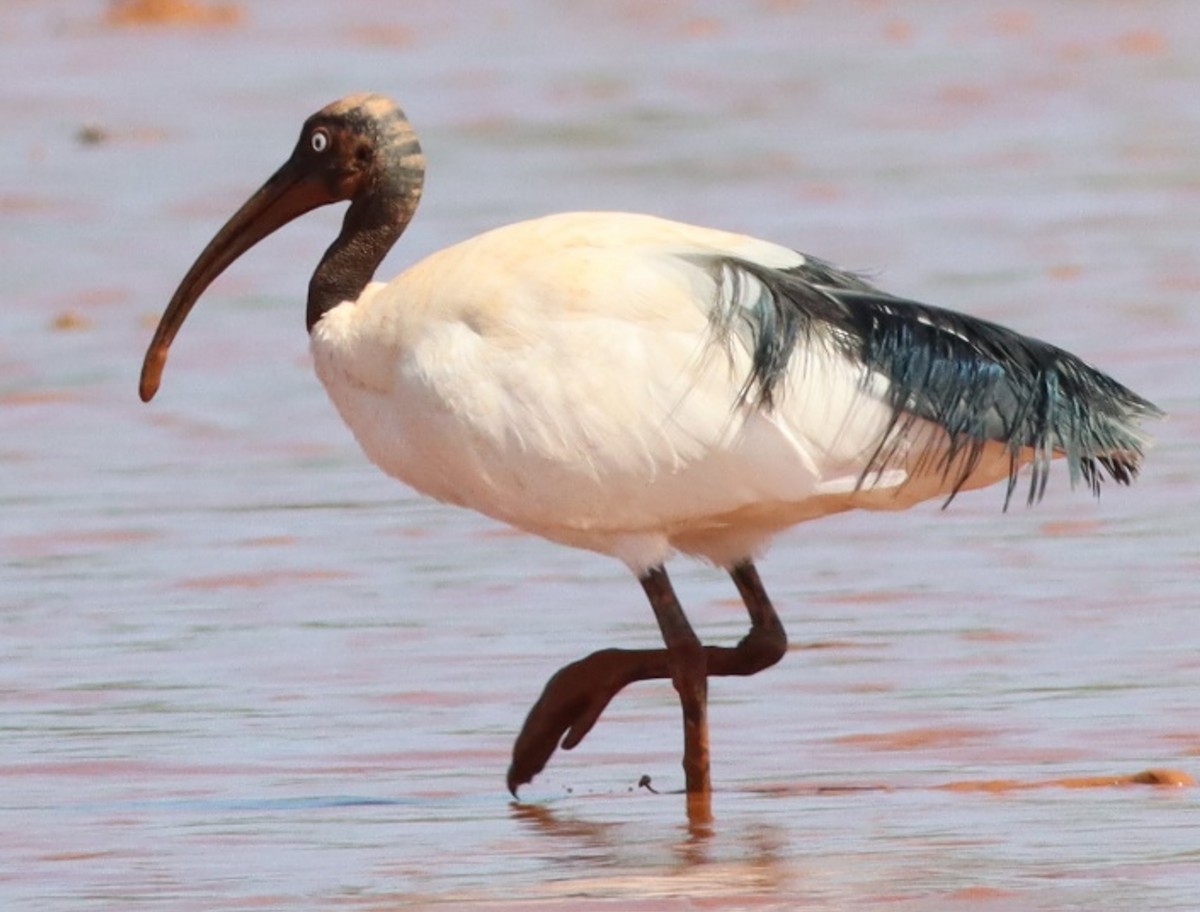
241, 669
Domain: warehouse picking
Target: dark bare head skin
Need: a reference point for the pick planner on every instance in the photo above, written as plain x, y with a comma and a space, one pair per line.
361, 148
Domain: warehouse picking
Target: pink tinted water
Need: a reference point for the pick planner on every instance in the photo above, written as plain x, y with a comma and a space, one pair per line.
241, 669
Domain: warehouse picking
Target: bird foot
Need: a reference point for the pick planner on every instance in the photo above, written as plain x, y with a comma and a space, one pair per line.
572, 701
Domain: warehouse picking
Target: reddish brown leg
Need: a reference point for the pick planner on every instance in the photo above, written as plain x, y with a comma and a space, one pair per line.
765, 644
689, 673
575, 697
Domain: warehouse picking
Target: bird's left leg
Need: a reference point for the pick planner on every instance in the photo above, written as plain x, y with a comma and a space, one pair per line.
574, 698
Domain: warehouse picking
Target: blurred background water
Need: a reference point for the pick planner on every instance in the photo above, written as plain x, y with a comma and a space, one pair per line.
242, 669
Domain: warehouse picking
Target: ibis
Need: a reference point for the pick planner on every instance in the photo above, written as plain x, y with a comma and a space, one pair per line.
642, 388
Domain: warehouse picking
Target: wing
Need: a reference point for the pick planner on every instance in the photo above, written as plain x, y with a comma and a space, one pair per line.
978, 381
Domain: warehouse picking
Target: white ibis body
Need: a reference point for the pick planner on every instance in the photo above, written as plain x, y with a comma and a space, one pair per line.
641, 387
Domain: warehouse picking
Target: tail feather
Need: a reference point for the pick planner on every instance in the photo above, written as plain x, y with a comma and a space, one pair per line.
979, 381
982, 382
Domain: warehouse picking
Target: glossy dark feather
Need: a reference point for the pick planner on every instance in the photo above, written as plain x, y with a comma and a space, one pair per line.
976, 379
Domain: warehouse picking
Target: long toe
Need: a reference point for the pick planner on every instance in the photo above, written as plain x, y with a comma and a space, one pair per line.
566, 711
570, 704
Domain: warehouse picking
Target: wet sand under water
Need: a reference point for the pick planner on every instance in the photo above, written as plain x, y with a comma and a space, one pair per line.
241, 669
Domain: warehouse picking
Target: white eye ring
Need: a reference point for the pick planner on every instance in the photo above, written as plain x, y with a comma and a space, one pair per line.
319, 141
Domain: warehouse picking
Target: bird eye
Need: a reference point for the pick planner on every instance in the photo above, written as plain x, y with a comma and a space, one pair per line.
319, 141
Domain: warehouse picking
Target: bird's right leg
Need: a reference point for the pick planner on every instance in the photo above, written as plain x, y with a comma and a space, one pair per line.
577, 694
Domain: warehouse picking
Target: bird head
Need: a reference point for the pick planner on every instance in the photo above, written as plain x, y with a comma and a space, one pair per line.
360, 148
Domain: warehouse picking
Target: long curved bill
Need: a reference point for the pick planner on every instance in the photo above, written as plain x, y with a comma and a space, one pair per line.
289, 193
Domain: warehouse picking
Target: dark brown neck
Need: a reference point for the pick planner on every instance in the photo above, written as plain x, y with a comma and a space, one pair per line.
369, 230
388, 193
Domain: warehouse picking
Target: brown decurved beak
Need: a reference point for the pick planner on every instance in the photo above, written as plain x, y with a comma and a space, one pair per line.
289, 193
